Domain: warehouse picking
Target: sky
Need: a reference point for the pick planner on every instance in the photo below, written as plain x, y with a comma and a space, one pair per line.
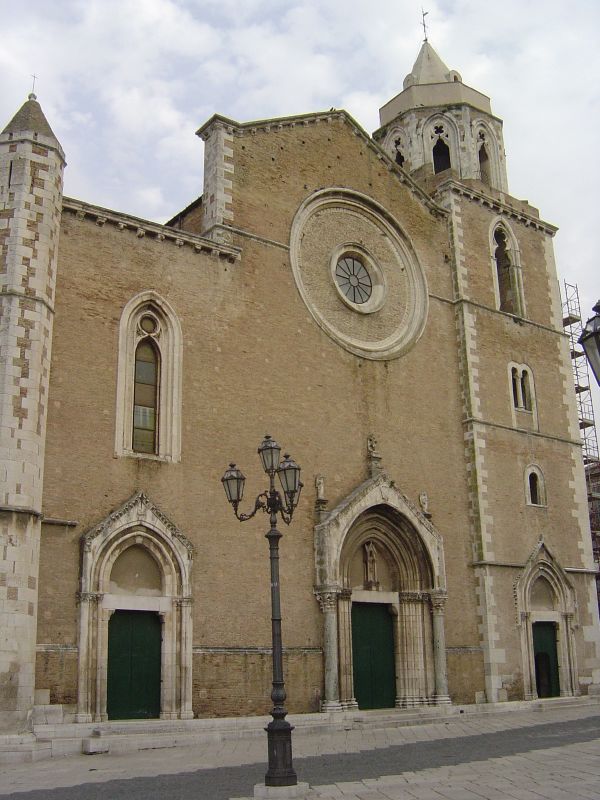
126, 83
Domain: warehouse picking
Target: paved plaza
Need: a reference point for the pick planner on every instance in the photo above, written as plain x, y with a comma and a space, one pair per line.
547, 752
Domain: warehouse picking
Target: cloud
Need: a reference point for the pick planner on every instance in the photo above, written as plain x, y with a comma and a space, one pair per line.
125, 84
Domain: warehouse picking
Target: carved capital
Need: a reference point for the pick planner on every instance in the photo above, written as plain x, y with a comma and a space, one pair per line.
327, 601
438, 599
89, 597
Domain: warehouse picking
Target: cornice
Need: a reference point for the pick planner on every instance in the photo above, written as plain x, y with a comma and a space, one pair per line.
142, 227
458, 188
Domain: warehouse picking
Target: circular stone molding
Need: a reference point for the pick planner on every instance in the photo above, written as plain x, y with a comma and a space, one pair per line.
333, 224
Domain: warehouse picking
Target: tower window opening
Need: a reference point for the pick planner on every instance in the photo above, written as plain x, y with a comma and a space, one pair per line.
484, 165
515, 387
441, 156
535, 486
534, 489
503, 267
399, 154
525, 391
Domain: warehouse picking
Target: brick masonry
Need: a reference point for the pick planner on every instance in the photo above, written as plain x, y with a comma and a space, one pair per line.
254, 360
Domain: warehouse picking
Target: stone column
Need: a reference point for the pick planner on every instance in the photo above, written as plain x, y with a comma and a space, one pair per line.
169, 674
185, 656
530, 687
104, 615
328, 602
347, 699
413, 662
438, 609
566, 664
88, 613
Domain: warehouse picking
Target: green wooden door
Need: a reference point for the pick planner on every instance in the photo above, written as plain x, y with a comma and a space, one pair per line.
546, 660
373, 655
134, 643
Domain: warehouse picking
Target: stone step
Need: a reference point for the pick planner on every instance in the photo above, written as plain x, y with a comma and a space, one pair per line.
119, 736
20, 749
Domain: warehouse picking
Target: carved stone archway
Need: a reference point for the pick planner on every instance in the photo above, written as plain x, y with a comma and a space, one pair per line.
376, 521
557, 606
141, 524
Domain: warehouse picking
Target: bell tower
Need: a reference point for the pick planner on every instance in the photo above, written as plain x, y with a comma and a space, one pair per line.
31, 171
438, 123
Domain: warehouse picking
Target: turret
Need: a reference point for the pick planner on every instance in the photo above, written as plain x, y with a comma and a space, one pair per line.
31, 170
438, 123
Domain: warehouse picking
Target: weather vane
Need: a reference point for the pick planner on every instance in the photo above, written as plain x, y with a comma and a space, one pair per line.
424, 24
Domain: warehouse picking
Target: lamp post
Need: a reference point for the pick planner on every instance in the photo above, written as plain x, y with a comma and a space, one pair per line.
279, 731
590, 341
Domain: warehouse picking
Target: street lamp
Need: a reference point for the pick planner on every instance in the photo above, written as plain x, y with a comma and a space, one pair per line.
279, 731
590, 341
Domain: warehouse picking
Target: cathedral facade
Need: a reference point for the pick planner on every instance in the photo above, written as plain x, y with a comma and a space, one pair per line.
385, 309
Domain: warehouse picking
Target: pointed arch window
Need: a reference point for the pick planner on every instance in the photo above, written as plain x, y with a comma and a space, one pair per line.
145, 397
148, 414
507, 271
503, 270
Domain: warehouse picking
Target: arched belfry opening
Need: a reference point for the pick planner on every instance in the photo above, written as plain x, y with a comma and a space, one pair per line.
484, 165
381, 587
135, 621
441, 156
546, 605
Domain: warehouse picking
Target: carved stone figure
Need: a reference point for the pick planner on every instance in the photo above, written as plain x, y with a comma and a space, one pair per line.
320, 486
370, 559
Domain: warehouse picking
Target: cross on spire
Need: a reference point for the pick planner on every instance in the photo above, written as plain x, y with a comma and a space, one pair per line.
423, 23
33, 84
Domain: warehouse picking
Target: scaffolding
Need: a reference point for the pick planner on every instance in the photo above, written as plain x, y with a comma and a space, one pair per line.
573, 326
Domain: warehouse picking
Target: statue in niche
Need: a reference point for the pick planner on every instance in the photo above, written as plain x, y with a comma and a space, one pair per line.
370, 561
320, 486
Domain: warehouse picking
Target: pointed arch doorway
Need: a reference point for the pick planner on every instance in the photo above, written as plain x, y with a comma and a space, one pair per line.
381, 587
546, 603
135, 620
